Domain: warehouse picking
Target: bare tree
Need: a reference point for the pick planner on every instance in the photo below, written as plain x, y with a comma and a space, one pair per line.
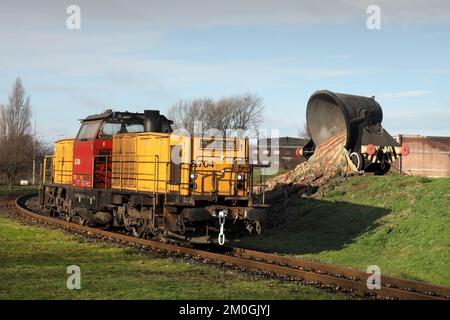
17, 114
238, 112
16, 143
2, 122
304, 132
15, 158
186, 113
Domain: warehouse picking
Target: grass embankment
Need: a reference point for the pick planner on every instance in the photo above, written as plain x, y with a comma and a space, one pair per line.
257, 177
401, 224
16, 190
34, 260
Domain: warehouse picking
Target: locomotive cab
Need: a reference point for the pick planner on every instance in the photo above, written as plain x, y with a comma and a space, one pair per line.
93, 145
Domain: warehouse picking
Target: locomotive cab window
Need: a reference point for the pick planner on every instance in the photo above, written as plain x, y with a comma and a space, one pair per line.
111, 128
88, 130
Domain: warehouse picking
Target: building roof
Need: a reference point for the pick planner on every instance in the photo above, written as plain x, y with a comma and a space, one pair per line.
290, 141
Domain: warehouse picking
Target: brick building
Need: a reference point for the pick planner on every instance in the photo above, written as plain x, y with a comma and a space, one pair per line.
429, 156
286, 150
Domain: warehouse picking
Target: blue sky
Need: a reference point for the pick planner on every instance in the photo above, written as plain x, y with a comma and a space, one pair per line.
148, 54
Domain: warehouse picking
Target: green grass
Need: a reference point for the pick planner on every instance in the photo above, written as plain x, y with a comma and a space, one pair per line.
33, 263
401, 224
257, 174
16, 190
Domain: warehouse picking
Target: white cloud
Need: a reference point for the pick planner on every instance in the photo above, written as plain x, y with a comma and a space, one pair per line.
315, 73
427, 119
113, 55
405, 94
438, 72
195, 13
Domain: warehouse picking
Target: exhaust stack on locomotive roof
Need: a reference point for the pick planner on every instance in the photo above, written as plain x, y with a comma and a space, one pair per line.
152, 121
155, 122
371, 148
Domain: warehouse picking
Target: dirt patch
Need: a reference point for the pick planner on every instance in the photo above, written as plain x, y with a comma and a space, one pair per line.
329, 165
330, 160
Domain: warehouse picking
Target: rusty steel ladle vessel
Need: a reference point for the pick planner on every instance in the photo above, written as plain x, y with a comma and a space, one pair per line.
371, 148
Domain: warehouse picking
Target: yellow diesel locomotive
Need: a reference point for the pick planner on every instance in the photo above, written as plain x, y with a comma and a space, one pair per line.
129, 170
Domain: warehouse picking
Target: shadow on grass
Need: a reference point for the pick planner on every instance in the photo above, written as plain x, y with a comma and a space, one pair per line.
305, 225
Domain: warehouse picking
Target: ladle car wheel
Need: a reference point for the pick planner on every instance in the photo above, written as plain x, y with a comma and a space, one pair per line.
357, 160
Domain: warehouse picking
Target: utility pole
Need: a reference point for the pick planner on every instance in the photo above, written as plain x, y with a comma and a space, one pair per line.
400, 141
34, 149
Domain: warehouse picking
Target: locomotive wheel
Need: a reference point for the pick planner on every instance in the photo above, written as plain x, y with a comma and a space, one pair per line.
384, 168
82, 221
137, 232
163, 239
357, 160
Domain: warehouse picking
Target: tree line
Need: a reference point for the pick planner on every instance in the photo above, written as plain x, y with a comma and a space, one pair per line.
18, 146
240, 112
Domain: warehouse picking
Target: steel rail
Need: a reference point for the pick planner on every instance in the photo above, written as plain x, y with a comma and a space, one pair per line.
319, 273
355, 275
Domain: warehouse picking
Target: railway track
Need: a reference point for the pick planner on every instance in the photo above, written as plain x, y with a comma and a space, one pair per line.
343, 279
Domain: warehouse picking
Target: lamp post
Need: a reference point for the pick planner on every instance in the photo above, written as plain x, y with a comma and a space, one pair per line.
34, 149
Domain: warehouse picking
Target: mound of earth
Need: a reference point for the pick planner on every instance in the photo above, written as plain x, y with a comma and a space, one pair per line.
329, 161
